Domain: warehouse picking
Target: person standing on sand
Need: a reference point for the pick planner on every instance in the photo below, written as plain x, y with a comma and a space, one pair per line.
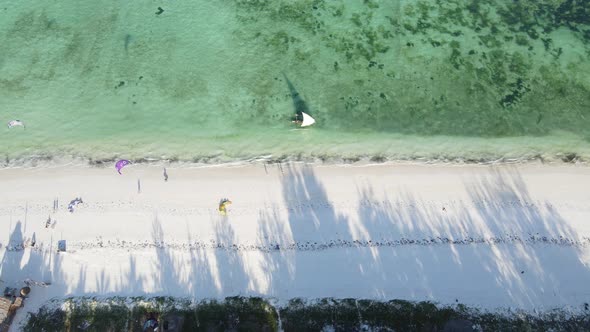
165, 175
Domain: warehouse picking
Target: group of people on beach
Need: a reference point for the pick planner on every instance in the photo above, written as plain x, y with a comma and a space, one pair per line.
223, 203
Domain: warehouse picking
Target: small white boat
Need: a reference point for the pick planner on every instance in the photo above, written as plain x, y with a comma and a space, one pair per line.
15, 123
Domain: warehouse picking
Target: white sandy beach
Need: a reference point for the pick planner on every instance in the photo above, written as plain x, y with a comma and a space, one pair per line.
487, 236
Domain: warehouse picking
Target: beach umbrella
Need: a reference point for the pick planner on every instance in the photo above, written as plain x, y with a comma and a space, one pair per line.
223, 204
120, 164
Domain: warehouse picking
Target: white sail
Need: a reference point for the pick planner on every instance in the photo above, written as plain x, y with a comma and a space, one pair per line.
307, 120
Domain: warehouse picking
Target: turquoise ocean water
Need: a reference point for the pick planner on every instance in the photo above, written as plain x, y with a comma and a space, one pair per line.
206, 81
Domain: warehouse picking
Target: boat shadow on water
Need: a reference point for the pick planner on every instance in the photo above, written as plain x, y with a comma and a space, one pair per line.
301, 108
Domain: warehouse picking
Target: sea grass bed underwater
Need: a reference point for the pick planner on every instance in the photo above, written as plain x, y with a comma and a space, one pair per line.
474, 80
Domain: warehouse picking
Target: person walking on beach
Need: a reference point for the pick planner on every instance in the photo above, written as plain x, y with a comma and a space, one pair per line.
165, 175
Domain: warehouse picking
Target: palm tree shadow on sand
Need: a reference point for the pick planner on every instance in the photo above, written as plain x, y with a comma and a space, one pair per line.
500, 244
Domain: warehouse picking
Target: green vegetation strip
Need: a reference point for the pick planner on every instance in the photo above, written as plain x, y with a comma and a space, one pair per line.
257, 314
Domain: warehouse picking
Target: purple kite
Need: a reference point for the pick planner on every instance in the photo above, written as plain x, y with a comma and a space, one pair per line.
120, 164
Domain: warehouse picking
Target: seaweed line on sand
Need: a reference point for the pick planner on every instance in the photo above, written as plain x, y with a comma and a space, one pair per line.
510, 239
